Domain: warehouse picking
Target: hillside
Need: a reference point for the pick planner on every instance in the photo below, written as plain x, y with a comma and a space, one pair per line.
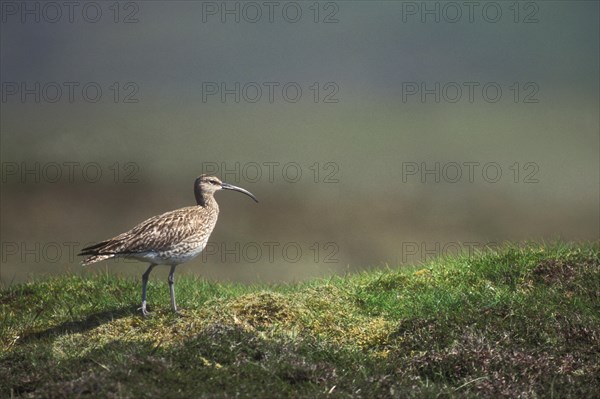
521, 321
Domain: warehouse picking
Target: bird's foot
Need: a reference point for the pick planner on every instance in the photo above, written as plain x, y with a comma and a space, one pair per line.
179, 313
145, 312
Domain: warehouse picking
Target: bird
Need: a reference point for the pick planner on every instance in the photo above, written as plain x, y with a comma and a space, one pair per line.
170, 239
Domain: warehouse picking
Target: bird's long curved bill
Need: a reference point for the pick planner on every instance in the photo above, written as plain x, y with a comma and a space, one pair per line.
228, 186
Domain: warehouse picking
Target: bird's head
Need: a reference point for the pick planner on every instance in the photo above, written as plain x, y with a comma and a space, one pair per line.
206, 185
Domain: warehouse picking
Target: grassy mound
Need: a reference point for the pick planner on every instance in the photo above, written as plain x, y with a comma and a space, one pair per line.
516, 322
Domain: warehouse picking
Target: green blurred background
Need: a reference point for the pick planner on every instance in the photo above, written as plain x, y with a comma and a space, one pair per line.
354, 133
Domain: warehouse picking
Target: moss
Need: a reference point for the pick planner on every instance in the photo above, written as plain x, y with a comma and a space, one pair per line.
264, 309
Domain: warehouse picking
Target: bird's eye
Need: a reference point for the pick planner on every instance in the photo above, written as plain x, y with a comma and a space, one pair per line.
213, 182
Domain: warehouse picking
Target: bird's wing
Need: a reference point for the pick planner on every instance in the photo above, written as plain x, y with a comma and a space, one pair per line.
155, 234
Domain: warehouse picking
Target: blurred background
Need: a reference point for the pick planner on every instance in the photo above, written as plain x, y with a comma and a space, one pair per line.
374, 133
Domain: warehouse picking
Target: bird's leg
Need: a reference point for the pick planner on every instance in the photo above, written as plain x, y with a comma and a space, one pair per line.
172, 289
145, 277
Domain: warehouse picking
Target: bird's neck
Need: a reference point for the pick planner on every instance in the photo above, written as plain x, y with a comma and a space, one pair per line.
203, 199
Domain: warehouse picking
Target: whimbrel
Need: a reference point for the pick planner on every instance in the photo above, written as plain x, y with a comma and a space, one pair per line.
169, 239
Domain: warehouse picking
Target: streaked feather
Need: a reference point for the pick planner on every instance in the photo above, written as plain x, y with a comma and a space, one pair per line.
170, 232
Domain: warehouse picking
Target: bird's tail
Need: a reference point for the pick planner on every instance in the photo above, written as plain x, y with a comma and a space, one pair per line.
95, 258
95, 253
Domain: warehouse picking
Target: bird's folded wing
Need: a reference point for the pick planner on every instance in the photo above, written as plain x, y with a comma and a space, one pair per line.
159, 233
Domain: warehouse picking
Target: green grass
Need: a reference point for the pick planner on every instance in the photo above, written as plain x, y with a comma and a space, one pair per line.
521, 321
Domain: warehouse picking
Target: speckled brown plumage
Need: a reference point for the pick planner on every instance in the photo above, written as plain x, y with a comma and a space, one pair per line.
169, 235
170, 239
